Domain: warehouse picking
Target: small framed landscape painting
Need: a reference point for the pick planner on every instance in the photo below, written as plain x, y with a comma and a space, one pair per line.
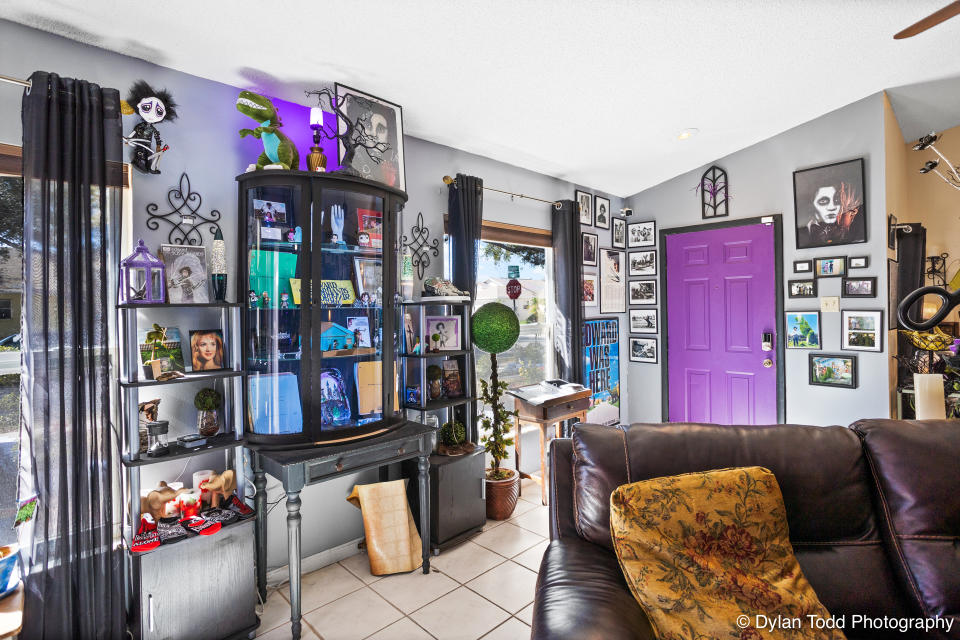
643, 350
862, 330
589, 249
830, 267
859, 262
803, 266
859, 288
803, 330
618, 235
832, 370
585, 202
644, 321
643, 263
590, 290
642, 234
601, 211
803, 288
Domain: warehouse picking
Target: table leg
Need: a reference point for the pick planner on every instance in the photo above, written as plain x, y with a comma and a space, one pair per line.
293, 558
543, 463
260, 528
517, 432
423, 467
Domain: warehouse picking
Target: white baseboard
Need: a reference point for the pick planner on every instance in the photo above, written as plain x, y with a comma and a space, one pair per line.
279, 575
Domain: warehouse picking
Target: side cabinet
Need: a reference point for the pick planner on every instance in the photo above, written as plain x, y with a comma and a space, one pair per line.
458, 507
205, 589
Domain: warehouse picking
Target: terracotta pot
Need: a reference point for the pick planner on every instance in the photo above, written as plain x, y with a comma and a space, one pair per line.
502, 496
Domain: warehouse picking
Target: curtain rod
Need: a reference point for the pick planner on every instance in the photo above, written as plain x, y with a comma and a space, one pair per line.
22, 83
555, 203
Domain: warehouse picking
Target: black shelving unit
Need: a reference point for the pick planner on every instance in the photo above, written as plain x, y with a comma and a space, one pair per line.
178, 451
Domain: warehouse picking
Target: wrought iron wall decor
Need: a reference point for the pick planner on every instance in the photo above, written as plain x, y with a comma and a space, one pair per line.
937, 271
184, 217
714, 194
420, 246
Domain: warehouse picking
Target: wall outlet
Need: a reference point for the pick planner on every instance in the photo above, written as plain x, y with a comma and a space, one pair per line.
830, 304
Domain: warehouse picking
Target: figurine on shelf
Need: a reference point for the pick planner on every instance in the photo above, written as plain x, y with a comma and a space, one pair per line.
291, 235
297, 234
219, 486
153, 107
416, 346
337, 215
254, 301
284, 300
265, 300
363, 300
153, 503
442, 287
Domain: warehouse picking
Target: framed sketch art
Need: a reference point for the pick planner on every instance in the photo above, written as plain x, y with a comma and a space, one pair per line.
618, 235
585, 204
861, 330
378, 150
829, 205
601, 211
589, 249
613, 294
643, 263
641, 234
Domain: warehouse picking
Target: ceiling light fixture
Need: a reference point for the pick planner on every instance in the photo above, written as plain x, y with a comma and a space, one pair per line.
686, 134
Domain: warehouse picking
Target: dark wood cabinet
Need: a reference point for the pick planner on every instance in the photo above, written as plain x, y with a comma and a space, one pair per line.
457, 504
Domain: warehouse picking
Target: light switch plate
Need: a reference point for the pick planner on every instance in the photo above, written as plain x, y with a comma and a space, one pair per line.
830, 303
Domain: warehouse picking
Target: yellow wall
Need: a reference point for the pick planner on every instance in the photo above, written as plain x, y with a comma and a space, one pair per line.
897, 195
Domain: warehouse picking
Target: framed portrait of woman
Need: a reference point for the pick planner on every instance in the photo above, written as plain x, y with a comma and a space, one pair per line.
830, 205
207, 352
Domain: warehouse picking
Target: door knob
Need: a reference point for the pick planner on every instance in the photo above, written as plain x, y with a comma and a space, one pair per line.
767, 363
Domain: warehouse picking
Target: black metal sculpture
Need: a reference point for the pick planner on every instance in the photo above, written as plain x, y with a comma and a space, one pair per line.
184, 216
714, 193
420, 246
357, 133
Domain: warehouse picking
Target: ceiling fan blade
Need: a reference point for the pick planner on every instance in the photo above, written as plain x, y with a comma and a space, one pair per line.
931, 20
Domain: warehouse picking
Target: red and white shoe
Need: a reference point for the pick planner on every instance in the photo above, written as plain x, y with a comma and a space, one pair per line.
147, 538
239, 507
200, 526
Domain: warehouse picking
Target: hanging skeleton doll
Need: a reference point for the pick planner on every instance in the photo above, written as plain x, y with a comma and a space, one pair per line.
153, 107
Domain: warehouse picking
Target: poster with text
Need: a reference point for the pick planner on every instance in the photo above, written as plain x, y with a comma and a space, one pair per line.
601, 369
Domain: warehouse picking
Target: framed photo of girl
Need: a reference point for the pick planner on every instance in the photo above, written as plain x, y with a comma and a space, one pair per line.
207, 352
829, 204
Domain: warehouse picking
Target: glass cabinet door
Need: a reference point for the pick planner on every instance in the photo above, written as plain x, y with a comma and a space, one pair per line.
347, 367
277, 270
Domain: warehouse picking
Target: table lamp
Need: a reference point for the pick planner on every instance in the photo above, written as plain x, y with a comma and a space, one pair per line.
929, 396
316, 160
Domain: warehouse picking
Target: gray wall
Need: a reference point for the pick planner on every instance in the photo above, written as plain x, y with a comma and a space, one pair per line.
204, 142
761, 182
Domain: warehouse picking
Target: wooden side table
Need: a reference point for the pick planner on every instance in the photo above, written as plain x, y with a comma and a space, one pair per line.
552, 412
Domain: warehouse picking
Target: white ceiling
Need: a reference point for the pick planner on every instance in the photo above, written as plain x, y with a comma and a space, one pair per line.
591, 92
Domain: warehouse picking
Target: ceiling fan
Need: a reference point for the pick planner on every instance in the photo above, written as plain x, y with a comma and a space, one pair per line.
930, 21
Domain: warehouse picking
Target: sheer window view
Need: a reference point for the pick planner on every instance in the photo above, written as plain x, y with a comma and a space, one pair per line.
530, 360
11, 280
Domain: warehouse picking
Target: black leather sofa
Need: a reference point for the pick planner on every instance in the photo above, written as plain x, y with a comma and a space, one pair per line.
873, 509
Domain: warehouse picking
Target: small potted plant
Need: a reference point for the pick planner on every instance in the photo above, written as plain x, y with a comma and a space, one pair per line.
155, 339
453, 439
207, 402
495, 329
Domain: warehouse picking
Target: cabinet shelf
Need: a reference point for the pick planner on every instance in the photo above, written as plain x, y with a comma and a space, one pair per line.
179, 305
330, 247
189, 377
191, 538
445, 403
177, 451
435, 354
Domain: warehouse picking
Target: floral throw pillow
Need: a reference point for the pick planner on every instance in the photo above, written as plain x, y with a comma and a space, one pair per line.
708, 557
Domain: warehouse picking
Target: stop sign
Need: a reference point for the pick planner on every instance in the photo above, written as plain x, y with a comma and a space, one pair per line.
513, 289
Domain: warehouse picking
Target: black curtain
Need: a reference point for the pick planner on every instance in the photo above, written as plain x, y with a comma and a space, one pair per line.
911, 265
71, 133
465, 205
568, 287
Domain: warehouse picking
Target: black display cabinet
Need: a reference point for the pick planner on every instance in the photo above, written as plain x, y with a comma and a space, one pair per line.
320, 318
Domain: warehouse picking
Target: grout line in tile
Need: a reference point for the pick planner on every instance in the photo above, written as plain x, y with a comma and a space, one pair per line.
491, 601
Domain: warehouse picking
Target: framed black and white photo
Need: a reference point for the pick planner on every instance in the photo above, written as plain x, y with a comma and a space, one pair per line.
859, 288
641, 234
861, 330
585, 203
643, 350
802, 288
803, 266
830, 267
644, 321
613, 281
643, 263
601, 209
377, 151
829, 203
830, 370
186, 273
589, 249
858, 262
591, 293
618, 233
643, 292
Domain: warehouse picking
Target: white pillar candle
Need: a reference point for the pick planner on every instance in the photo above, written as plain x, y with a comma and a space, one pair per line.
930, 401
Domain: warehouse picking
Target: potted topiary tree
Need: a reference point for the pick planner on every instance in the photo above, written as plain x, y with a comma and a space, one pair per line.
155, 339
207, 402
495, 329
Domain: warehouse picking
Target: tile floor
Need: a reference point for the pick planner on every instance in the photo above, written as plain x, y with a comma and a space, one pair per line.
482, 588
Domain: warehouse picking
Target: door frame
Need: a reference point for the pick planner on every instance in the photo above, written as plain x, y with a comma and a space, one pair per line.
779, 321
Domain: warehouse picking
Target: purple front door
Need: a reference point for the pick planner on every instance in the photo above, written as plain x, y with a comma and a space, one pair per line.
722, 297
